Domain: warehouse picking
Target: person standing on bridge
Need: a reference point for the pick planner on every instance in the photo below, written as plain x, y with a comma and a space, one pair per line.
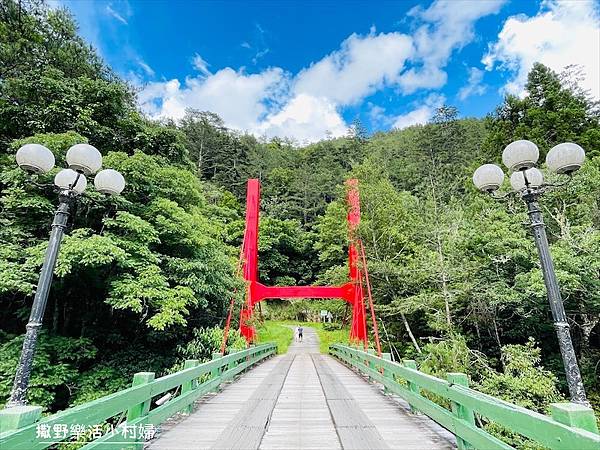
300, 334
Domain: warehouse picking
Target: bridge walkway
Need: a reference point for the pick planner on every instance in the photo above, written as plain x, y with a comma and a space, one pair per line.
301, 400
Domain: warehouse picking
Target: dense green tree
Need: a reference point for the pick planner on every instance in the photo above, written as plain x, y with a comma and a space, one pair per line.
51, 81
555, 110
143, 278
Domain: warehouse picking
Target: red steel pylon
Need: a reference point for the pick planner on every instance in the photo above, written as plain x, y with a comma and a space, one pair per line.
352, 292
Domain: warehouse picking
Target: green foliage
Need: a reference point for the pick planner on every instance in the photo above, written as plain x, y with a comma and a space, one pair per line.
205, 342
451, 355
302, 310
556, 110
331, 326
56, 366
282, 333
135, 270
114, 371
153, 270
523, 382
285, 252
329, 335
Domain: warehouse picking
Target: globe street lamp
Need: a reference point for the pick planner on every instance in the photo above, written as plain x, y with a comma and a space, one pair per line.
83, 159
528, 182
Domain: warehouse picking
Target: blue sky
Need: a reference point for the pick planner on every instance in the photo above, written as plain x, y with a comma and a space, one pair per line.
306, 70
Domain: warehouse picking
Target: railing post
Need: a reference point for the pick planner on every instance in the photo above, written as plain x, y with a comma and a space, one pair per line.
370, 363
575, 415
141, 409
248, 358
216, 372
460, 411
386, 372
413, 387
230, 365
189, 385
18, 417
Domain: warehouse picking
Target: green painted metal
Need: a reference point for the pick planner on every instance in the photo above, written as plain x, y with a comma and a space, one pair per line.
414, 387
192, 382
386, 373
189, 385
459, 410
19, 417
571, 427
574, 415
141, 409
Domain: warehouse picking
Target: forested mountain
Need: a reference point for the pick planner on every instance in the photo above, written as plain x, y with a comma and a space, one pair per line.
140, 278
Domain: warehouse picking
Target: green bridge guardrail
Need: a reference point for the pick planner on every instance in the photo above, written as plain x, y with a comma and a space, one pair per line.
20, 427
571, 427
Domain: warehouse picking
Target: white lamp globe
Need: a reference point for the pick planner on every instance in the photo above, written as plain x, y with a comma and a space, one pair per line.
66, 178
533, 175
520, 155
35, 158
488, 177
84, 158
109, 181
565, 158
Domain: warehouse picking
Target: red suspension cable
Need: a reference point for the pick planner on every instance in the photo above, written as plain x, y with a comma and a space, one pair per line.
238, 269
373, 318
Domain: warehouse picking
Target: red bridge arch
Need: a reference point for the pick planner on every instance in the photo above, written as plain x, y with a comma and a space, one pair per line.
352, 291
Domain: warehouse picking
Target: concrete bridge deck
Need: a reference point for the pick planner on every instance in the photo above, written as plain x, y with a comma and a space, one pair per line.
301, 400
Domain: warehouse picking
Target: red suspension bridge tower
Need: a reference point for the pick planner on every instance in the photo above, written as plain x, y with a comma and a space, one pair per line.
352, 291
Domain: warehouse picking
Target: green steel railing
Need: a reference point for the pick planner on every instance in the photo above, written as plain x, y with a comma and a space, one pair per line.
20, 426
571, 426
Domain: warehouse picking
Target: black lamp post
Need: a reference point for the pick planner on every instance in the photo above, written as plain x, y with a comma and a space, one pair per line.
83, 159
528, 182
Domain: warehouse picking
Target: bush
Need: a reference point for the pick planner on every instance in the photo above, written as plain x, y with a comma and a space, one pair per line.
331, 326
523, 382
115, 372
56, 366
205, 342
452, 355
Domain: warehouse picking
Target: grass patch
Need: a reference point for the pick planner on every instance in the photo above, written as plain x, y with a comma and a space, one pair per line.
275, 332
327, 337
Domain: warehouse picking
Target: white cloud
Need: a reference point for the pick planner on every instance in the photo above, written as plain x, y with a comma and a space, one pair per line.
258, 44
200, 64
306, 118
473, 86
420, 115
259, 54
145, 67
307, 106
377, 114
116, 15
362, 65
240, 99
447, 25
428, 77
560, 34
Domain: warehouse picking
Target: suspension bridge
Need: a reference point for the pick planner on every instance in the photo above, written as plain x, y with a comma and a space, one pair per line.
354, 398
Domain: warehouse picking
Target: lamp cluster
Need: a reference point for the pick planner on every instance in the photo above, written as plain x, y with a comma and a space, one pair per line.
83, 160
520, 157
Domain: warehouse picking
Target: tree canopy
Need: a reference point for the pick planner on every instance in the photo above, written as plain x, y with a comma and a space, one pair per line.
143, 279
